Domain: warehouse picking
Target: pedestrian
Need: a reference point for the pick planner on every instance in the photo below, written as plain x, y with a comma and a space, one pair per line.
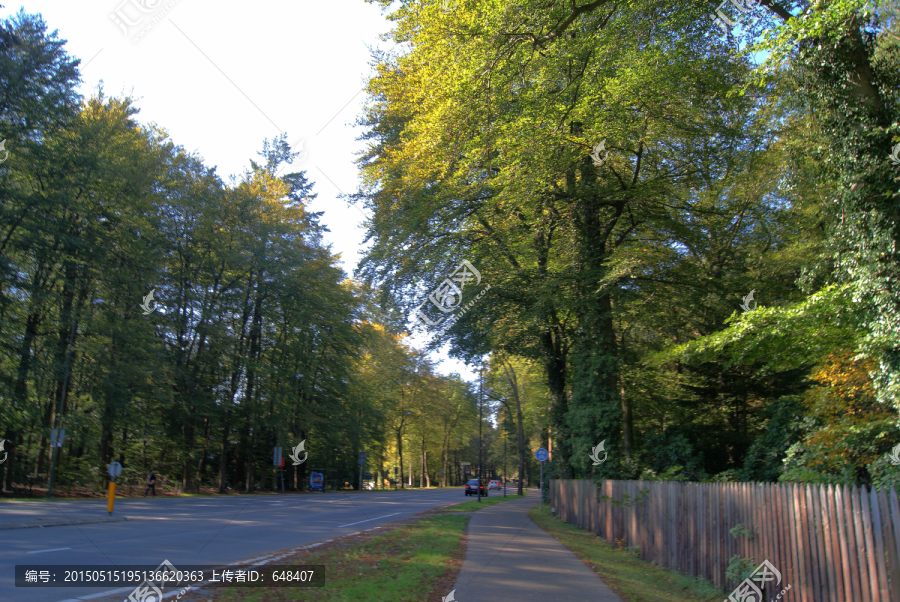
151, 484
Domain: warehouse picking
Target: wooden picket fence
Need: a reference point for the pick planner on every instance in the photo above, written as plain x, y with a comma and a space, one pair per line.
830, 543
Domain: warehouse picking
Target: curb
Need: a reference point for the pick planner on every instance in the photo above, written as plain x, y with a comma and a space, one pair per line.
87, 521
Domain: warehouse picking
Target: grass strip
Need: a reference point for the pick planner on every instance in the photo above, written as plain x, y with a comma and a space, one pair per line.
633, 579
485, 502
406, 564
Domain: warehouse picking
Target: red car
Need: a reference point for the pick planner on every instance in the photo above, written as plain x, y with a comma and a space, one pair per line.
472, 488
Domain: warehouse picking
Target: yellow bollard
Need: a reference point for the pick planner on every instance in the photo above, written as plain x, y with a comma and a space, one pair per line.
111, 497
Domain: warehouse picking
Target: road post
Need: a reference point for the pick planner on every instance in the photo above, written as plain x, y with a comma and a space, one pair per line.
114, 470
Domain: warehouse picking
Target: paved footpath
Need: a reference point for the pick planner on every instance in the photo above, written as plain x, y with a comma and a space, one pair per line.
510, 558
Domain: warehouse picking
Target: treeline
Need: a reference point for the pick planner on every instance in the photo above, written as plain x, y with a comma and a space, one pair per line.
699, 255
174, 322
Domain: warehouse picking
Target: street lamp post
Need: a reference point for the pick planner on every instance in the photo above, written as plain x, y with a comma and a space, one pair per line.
480, 389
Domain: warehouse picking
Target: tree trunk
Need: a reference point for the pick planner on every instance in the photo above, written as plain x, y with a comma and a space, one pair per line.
400, 452
627, 424
223, 451
513, 380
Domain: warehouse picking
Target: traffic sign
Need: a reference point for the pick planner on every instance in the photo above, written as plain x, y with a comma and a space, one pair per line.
362, 458
114, 469
541, 455
276, 457
54, 433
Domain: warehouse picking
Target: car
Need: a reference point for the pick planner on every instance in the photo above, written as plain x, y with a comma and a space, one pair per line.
472, 488
494, 485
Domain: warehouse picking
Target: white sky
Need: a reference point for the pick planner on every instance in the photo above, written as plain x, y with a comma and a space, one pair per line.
222, 76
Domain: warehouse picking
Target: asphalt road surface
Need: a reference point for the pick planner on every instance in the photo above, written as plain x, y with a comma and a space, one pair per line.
199, 531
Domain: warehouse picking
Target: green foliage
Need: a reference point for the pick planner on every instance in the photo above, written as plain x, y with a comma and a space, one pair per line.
739, 568
627, 501
740, 530
781, 428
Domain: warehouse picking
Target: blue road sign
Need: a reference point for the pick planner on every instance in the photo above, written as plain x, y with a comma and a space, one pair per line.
541, 455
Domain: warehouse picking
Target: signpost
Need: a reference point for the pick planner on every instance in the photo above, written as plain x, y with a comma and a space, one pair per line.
57, 436
541, 456
114, 470
316, 481
362, 462
276, 457
278, 462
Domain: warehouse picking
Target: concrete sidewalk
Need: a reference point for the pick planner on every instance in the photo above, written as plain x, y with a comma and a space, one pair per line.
510, 558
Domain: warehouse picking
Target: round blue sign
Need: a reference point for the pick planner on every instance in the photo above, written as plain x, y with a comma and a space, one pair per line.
541, 455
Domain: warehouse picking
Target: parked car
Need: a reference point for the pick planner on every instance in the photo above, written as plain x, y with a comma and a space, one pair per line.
494, 485
472, 488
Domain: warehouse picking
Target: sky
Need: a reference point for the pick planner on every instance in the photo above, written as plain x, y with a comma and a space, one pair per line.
220, 78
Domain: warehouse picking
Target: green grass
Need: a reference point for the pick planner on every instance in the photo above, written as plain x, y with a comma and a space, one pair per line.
485, 502
402, 565
630, 577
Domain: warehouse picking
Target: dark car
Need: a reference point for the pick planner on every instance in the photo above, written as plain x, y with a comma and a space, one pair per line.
472, 488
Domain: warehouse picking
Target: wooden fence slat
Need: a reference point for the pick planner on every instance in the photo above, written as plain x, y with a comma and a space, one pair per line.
779, 556
893, 512
673, 496
881, 580
834, 546
791, 536
862, 573
827, 585
812, 564
609, 491
841, 502
826, 580
869, 559
695, 531
849, 521
803, 542
786, 561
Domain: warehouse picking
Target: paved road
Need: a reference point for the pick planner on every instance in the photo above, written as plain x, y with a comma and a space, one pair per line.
508, 557
204, 530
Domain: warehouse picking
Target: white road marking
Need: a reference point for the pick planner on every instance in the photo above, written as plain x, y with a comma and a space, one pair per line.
368, 520
53, 550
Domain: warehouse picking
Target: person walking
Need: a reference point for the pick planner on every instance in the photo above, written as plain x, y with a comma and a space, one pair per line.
151, 484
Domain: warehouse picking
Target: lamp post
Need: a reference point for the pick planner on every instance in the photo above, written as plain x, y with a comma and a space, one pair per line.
480, 410
504, 462
62, 400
